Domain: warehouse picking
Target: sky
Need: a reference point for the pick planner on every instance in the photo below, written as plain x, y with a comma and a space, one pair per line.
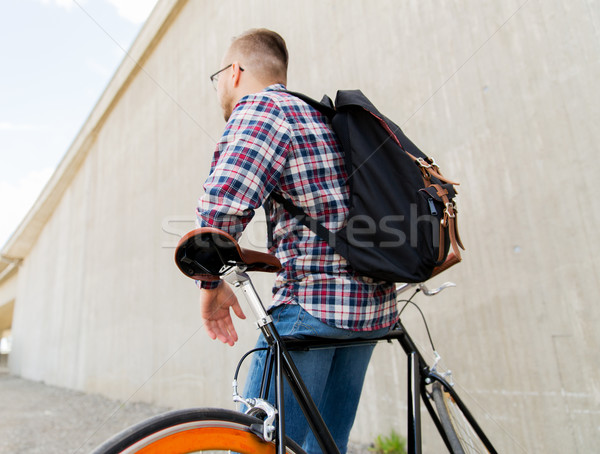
56, 59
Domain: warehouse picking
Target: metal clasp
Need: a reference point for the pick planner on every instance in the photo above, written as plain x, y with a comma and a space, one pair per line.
426, 165
423, 163
450, 210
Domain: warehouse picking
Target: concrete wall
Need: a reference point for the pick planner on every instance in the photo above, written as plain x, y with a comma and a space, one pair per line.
504, 95
8, 292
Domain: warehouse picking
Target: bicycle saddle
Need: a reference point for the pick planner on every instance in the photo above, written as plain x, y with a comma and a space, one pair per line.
205, 254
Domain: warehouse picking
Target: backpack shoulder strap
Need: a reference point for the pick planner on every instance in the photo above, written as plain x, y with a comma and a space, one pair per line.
311, 223
325, 106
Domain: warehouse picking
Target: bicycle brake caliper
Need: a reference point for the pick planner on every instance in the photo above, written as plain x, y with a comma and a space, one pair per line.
433, 369
255, 408
262, 406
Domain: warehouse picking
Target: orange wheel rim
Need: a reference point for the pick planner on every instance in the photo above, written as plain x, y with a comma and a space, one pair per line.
192, 440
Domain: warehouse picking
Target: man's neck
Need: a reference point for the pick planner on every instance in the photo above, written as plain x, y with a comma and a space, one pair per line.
252, 87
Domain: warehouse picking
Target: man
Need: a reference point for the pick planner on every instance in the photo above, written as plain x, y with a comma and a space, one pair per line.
275, 142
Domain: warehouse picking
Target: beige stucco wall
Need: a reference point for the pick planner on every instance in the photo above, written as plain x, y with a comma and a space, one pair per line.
504, 95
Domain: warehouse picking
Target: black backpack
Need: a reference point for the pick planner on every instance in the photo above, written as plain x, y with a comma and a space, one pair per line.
402, 216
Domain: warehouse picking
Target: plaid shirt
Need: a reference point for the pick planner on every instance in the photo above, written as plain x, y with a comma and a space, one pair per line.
272, 141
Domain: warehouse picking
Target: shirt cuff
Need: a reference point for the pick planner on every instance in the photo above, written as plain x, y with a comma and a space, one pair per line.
208, 285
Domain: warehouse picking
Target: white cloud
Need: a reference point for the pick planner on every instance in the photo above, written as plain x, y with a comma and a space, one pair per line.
136, 11
17, 198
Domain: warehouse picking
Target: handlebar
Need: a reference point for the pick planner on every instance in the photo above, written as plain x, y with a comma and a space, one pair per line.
423, 288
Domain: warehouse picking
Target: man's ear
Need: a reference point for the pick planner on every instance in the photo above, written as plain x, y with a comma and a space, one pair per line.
236, 72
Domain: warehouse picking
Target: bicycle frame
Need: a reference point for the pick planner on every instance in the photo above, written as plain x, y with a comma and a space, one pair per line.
419, 376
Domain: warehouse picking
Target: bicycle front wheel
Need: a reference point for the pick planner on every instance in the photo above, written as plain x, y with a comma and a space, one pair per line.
193, 430
462, 436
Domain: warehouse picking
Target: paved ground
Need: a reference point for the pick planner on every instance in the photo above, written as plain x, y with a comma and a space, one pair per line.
36, 418
39, 419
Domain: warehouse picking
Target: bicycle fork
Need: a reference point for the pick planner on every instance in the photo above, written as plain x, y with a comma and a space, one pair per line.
419, 375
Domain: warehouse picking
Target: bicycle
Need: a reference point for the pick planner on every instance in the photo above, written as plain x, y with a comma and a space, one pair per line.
210, 254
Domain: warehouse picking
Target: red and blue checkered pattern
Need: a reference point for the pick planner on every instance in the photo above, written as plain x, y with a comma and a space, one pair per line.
272, 141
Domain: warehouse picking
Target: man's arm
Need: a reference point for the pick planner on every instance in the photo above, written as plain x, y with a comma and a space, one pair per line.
247, 166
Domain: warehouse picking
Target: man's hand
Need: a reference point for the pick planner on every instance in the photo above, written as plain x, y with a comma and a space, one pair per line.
215, 305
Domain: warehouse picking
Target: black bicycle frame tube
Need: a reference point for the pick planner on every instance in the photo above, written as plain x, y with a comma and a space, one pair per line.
313, 417
414, 404
416, 370
280, 442
267, 372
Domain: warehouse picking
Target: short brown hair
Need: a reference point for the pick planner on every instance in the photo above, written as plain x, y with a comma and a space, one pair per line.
264, 51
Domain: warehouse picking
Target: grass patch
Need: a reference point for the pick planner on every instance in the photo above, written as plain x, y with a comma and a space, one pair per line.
391, 444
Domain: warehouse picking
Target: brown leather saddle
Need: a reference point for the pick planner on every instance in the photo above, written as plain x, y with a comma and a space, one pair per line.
205, 254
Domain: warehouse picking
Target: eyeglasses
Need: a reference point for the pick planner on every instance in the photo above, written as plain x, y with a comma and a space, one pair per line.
215, 77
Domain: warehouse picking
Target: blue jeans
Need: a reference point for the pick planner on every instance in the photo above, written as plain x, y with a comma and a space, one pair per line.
334, 376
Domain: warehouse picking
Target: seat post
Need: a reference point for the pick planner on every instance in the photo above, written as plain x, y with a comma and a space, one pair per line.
238, 278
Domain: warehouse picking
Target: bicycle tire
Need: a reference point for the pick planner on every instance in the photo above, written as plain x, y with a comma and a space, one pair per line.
461, 436
193, 430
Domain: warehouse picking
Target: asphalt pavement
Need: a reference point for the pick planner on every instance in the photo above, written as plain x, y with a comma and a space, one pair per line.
38, 418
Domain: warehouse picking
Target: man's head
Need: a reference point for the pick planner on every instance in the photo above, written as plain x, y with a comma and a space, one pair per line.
257, 58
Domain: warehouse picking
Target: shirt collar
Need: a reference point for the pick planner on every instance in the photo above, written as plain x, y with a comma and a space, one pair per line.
275, 87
